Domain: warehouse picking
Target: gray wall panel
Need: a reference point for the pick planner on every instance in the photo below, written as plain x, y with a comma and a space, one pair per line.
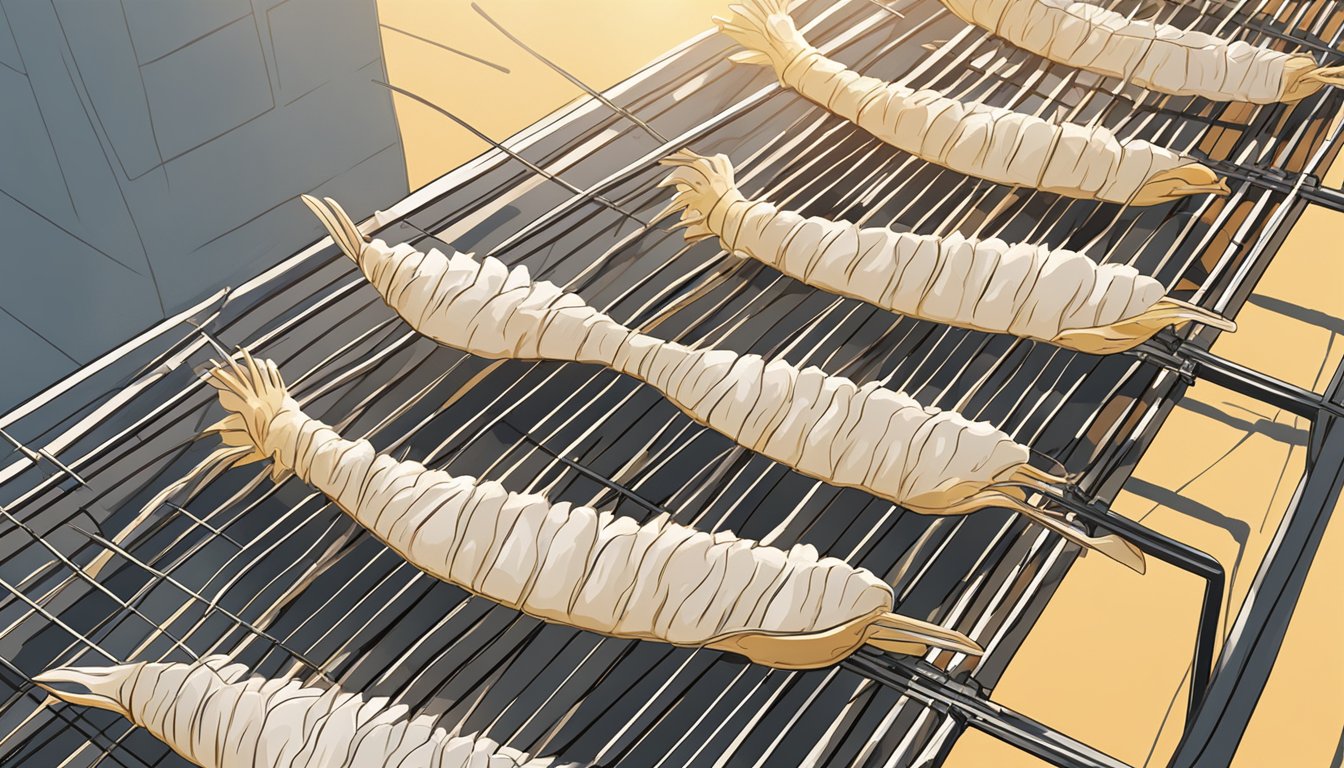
152, 152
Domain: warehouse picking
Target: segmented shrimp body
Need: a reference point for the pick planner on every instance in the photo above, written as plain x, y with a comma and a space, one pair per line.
1027, 290
827, 427
217, 716
1156, 56
574, 565
977, 140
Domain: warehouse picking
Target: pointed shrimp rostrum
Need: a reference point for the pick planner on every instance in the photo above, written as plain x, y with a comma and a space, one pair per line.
1054, 295
574, 565
977, 140
214, 714
1157, 56
868, 437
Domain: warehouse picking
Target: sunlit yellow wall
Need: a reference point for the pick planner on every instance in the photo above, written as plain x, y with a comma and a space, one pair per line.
599, 41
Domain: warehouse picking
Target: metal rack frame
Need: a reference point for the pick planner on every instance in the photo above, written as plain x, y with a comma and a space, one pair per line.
47, 493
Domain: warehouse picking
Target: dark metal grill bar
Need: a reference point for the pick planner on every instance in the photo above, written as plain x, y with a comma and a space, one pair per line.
1192, 362
927, 683
1307, 186
1271, 28
931, 685
1257, 633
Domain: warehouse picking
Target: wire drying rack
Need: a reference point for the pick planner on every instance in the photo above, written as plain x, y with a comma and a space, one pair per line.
277, 576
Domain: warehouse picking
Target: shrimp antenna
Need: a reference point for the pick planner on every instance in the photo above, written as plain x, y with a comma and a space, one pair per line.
512, 154
596, 94
334, 219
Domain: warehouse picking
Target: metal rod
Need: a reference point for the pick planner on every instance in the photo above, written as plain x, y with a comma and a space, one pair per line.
1305, 185
210, 605
590, 474
930, 685
1272, 30
41, 454
93, 582
212, 529
1192, 362
1174, 553
29, 453
1258, 631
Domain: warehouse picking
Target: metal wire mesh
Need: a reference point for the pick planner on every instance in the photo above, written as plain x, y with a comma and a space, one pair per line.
278, 576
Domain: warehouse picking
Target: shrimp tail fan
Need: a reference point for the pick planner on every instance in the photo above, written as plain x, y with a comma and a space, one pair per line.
104, 686
1321, 77
1327, 76
1130, 332
701, 183
254, 395
1307, 78
881, 629
1182, 181
338, 224
760, 26
894, 633
238, 449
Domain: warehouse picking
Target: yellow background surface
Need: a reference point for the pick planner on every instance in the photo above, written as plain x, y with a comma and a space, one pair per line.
601, 42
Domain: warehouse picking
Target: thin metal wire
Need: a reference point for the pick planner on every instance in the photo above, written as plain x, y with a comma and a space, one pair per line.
593, 92
944, 334
531, 166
